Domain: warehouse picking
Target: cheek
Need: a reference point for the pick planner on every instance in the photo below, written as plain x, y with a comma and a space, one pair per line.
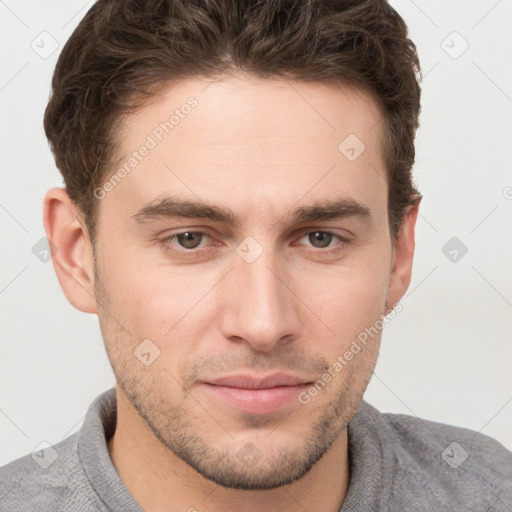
143, 302
350, 298
163, 304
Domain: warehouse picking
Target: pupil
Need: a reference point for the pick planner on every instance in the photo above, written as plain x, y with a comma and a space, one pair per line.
188, 240
319, 236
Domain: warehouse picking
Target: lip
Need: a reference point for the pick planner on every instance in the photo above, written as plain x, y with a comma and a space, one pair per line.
255, 394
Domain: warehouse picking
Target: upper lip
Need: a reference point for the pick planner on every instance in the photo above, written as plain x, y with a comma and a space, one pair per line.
251, 381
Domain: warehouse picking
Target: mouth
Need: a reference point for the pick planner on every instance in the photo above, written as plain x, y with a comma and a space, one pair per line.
255, 394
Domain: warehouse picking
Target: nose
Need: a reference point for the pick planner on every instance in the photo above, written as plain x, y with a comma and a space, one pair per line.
260, 307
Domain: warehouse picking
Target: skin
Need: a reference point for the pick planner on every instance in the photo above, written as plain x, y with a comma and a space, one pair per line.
261, 149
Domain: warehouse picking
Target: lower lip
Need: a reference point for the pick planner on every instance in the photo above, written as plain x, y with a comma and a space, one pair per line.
255, 401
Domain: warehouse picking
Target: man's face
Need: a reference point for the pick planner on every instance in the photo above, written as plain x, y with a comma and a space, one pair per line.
265, 301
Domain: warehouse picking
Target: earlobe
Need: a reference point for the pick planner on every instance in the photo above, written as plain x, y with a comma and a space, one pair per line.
73, 257
401, 269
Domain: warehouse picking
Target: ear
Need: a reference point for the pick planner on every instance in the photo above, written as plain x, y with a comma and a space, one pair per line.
401, 264
73, 256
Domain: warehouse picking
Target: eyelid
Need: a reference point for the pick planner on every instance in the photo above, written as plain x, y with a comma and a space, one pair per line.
306, 231
342, 241
167, 240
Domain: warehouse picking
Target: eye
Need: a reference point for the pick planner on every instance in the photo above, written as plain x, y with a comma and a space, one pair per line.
189, 244
323, 240
186, 243
189, 239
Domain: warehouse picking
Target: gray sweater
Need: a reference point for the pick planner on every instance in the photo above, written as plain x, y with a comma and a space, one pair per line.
398, 462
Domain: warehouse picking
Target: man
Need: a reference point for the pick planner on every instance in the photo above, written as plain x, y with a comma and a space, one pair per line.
239, 212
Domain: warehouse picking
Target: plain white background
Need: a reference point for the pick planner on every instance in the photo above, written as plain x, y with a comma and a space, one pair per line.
446, 357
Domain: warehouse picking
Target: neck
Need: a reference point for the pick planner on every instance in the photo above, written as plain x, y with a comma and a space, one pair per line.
159, 480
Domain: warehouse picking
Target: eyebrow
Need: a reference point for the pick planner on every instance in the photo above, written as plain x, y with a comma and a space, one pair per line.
176, 208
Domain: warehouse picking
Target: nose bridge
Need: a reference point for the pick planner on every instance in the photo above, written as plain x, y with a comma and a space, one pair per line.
261, 309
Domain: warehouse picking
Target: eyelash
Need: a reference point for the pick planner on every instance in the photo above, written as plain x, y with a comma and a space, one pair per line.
196, 253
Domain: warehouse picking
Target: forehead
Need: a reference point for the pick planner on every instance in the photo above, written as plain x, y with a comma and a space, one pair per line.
251, 144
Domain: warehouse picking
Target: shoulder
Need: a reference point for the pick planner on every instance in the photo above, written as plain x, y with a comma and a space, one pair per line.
49, 479
445, 464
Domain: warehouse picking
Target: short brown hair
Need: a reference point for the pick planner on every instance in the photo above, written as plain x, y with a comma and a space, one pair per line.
124, 51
